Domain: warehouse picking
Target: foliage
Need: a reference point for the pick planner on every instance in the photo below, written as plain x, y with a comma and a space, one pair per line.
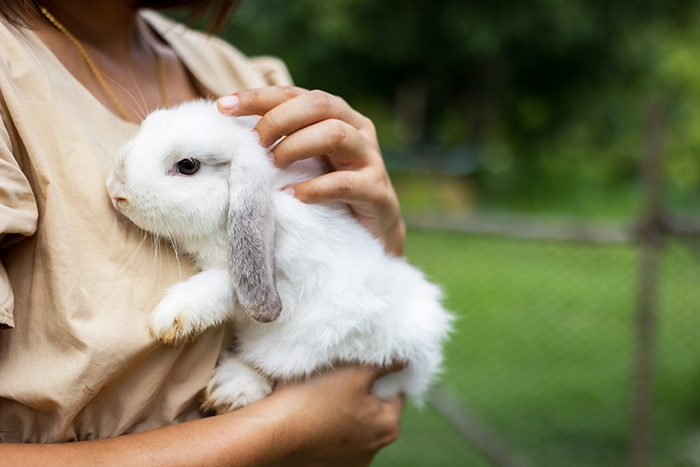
545, 89
542, 353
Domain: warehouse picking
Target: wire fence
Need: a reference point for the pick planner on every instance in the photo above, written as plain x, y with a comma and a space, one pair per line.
542, 369
575, 345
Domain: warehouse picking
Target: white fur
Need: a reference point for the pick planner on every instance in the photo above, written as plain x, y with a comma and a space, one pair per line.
234, 385
343, 298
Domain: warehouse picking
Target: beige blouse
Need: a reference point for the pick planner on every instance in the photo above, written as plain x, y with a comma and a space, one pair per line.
76, 281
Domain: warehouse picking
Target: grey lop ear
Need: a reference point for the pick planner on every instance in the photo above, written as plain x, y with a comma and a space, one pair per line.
251, 242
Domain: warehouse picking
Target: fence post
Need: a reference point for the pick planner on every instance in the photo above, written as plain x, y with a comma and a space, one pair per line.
651, 233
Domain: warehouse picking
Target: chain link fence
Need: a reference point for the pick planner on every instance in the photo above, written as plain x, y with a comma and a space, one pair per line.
541, 368
575, 345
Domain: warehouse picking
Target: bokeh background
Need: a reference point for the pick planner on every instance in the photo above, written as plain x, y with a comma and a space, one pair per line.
547, 157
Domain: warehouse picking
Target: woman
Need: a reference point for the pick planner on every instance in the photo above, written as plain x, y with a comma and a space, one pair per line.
78, 281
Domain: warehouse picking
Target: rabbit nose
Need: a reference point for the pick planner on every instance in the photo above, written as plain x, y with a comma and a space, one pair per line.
117, 193
119, 202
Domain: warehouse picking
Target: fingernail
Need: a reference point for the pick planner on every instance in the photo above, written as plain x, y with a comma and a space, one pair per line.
228, 103
289, 190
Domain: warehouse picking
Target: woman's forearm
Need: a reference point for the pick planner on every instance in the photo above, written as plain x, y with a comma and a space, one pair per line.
242, 438
330, 420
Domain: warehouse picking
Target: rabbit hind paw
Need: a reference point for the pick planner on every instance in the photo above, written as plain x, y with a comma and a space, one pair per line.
229, 391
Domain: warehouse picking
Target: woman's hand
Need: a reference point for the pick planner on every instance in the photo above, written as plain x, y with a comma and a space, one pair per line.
316, 123
334, 420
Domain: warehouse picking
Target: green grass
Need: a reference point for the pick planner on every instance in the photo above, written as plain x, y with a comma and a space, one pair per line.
542, 351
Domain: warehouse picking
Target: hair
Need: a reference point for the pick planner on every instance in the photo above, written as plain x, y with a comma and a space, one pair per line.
17, 12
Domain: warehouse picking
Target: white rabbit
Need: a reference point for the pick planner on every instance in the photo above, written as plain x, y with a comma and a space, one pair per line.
305, 286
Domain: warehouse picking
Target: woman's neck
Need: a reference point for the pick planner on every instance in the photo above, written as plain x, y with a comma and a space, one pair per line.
107, 25
122, 48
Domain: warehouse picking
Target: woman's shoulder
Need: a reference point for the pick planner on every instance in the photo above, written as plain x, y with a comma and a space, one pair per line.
218, 65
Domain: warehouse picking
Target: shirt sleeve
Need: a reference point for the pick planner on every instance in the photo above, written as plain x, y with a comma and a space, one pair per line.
273, 70
18, 217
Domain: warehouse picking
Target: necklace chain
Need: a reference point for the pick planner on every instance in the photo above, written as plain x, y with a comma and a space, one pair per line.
160, 64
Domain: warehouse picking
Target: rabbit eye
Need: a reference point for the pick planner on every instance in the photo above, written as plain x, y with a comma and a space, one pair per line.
188, 166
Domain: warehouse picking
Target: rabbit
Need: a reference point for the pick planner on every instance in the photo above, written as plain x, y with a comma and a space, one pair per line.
303, 286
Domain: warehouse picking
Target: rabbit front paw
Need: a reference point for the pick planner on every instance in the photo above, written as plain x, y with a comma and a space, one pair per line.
174, 320
190, 307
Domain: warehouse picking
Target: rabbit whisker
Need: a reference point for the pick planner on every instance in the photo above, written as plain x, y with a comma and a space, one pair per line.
143, 100
177, 256
144, 234
138, 110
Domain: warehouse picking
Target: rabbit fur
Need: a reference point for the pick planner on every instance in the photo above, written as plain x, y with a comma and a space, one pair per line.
304, 286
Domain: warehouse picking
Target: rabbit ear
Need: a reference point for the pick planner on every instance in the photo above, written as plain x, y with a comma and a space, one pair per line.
251, 243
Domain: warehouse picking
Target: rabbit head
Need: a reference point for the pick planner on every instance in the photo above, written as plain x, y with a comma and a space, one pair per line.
194, 175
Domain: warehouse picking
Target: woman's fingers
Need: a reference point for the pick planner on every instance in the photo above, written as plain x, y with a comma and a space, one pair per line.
391, 411
285, 110
337, 420
393, 367
341, 142
302, 111
257, 101
368, 193
348, 186
315, 123
371, 373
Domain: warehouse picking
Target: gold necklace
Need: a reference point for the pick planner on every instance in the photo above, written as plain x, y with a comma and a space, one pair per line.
160, 64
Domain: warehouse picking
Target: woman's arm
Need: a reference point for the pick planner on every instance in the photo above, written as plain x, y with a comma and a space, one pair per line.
329, 420
316, 123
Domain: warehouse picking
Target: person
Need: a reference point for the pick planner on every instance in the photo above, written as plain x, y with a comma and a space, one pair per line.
76, 281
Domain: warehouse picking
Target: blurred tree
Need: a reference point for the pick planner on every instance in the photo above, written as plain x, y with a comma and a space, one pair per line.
497, 61
557, 84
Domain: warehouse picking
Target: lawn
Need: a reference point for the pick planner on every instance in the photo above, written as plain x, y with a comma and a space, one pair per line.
542, 351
